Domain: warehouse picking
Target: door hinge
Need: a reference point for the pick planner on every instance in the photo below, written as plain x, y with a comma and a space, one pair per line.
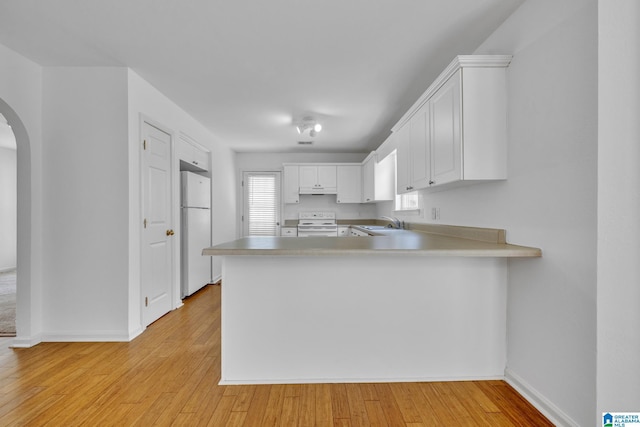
146, 301
242, 218
242, 183
145, 223
144, 144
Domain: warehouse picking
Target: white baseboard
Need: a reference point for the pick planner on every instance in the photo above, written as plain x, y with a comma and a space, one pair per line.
25, 342
541, 403
102, 336
358, 380
216, 279
133, 334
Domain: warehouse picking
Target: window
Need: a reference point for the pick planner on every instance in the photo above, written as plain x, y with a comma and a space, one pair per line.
261, 204
406, 201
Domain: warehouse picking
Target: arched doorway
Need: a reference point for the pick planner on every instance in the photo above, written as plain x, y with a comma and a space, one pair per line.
26, 317
8, 229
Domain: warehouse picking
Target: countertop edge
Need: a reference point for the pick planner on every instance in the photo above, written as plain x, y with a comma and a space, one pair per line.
508, 252
428, 241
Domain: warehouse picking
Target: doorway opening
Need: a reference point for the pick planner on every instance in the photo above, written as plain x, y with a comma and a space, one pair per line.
8, 229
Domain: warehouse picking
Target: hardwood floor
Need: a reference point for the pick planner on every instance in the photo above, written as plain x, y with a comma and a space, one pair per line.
169, 376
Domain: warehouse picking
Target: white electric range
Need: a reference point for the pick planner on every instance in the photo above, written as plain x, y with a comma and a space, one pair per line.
317, 224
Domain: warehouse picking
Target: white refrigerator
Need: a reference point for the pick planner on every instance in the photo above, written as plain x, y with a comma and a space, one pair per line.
195, 216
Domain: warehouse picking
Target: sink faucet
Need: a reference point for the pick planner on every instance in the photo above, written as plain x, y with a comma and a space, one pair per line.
395, 221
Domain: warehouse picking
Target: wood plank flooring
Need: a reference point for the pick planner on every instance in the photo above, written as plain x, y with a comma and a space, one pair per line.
169, 376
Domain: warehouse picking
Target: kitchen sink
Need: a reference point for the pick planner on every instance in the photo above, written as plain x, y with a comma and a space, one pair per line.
374, 227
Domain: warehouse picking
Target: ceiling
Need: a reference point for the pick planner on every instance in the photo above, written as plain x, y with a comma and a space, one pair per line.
248, 69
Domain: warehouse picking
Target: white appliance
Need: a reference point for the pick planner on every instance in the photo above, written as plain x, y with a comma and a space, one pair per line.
195, 215
317, 224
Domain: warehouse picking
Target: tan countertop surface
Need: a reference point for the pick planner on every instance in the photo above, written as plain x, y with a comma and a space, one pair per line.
429, 241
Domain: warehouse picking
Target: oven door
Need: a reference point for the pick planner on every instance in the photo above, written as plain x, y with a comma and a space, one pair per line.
317, 230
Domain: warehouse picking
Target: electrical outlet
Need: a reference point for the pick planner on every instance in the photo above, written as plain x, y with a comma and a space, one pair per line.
435, 214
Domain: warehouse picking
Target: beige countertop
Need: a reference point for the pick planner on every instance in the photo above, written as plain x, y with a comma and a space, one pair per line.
427, 241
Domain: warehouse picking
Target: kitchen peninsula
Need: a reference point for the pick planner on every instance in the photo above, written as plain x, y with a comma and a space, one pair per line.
397, 306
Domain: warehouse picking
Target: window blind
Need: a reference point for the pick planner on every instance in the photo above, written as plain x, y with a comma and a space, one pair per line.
263, 204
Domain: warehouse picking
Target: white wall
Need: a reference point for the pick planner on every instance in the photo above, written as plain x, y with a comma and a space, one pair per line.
548, 201
8, 209
145, 100
85, 203
274, 161
618, 207
90, 181
21, 105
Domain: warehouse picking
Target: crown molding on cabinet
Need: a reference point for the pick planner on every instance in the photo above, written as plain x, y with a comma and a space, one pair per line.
460, 61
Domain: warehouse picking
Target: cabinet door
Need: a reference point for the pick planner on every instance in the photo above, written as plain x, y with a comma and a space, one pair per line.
384, 172
446, 141
291, 186
193, 158
402, 159
289, 232
419, 148
200, 158
327, 177
368, 180
349, 184
309, 177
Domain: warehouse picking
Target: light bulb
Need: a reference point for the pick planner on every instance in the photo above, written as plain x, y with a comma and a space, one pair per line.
317, 127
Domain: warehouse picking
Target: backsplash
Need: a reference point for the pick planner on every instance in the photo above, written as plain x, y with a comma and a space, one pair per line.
327, 203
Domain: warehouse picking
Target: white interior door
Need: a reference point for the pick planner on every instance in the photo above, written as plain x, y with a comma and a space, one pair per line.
157, 233
261, 216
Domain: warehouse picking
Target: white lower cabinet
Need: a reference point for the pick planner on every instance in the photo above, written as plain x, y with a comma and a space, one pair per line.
289, 231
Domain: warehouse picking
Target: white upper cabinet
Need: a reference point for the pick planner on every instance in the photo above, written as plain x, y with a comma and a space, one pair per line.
413, 152
445, 138
349, 182
291, 185
403, 159
346, 180
368, 179
318, 179
457, 130
377, 179
192, 157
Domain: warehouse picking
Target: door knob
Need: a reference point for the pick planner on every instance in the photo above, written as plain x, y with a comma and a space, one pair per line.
170, 233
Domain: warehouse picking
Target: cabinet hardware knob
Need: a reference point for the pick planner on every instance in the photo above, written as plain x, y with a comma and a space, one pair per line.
170, 233
431, 182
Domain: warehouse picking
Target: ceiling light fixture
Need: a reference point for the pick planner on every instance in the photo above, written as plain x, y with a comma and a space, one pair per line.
309, 124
